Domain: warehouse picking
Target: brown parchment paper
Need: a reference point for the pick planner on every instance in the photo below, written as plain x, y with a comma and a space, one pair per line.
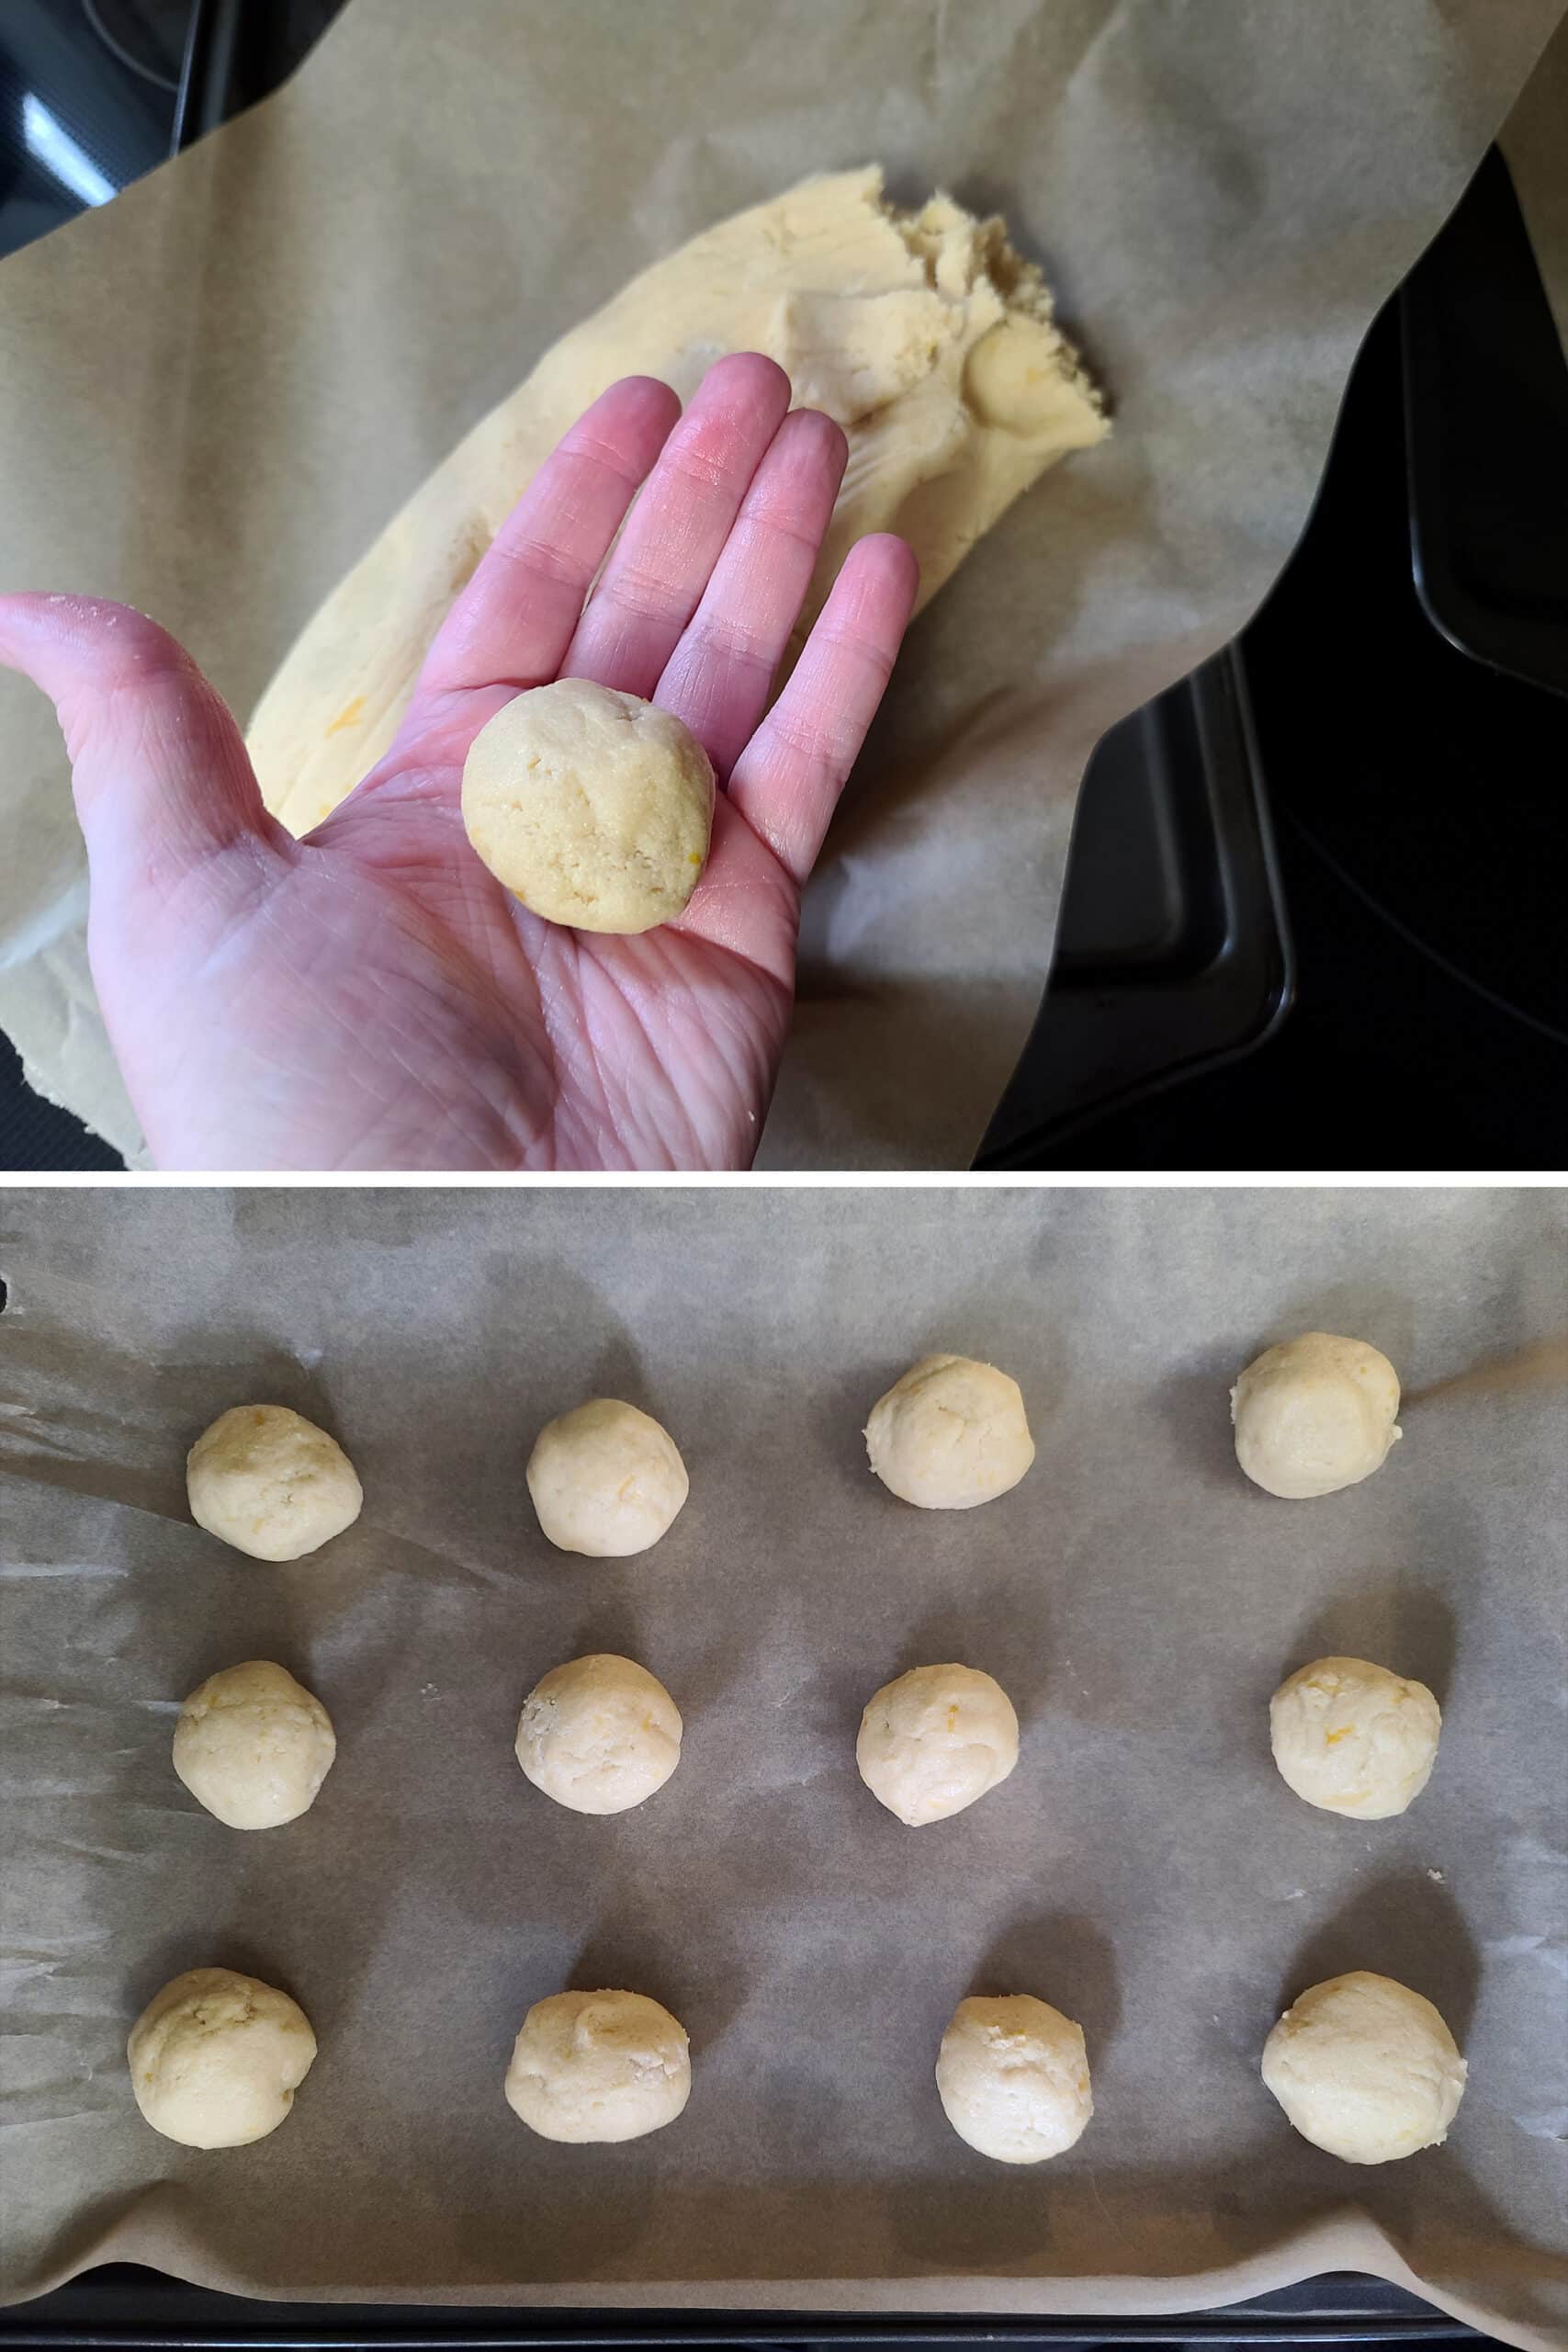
1144, 1867
214, 394
1534, 140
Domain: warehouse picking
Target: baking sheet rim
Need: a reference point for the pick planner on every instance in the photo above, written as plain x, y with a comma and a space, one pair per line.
1347, 2240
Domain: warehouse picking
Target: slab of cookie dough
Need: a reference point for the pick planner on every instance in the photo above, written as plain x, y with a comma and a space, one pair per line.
928, 338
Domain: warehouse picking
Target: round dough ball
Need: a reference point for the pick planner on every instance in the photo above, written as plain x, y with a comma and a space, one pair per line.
216, 2058
271, 1483
599, 1735
1353, 1737
607, 1480
952, 1433
1013, 2077
1012, 378
599, 2066
252, 1746
1315, 1414
935, 1740
1365, 2068
592, 806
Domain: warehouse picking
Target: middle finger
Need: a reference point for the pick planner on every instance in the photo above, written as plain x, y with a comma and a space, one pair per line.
721, 673
655, 577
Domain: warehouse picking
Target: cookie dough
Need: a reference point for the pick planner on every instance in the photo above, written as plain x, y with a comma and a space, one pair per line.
1365, 2068
606, 1479
252, 1746
1013, 2078
936, 1740
928, 338
1354, 1737
952, 1433
1315, 1414
599, 2066
271, 1483
216, 2058
599, 1735
593, 808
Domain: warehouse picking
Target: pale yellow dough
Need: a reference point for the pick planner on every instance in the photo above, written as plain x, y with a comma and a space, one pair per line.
1365, 2069
270, 1483
253, 1746
607, 1479
950, 1434
598, 2067
600, 1734
1012, 2077
935, 1741
216, 2058
1315, 1414
592, 807
1354, 1737
922, 333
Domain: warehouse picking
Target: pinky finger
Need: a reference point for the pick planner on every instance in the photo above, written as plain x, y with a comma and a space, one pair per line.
787, 781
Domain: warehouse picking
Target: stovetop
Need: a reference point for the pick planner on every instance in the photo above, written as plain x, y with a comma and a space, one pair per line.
1411, 796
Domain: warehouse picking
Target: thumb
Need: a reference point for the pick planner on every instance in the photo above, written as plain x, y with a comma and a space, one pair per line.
158, 767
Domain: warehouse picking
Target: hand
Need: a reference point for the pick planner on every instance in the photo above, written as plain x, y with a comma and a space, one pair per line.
370, 996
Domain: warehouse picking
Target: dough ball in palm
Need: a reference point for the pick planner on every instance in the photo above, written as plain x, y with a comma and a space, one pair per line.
593, 807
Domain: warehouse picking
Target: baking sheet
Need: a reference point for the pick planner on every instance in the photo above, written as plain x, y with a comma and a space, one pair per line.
216, 391
1143, 1868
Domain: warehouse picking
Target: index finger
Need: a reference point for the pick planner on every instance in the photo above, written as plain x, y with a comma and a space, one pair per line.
513, 621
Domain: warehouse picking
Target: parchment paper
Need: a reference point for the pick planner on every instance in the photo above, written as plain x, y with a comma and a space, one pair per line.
1144, 1867
1534, 141
213, 394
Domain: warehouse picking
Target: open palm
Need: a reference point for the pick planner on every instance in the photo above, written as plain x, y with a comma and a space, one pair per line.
371, 996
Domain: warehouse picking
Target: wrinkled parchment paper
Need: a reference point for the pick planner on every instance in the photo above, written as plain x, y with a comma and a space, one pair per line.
214, 394
1144, 1867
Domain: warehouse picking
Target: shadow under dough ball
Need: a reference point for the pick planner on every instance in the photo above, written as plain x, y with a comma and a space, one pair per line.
598, 2067
1315, 1414
950, 1434
216, 2058
592, 807
1365, 2069
271, 1483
